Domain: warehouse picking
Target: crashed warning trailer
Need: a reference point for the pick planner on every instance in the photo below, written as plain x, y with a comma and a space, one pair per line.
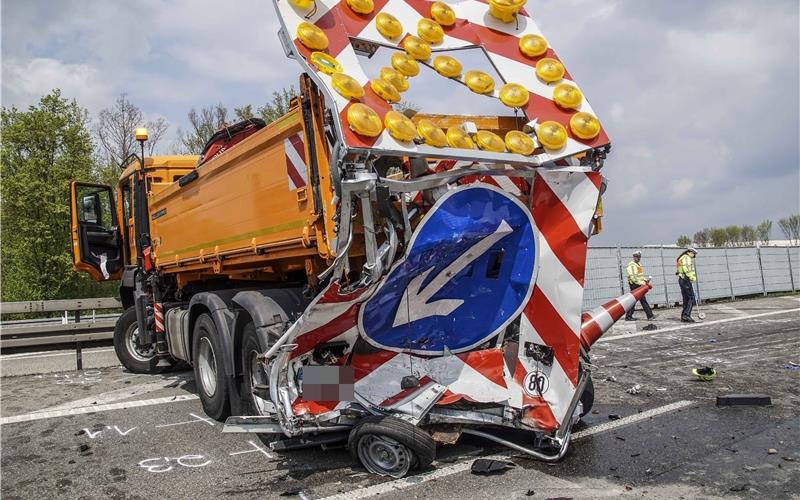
350, 271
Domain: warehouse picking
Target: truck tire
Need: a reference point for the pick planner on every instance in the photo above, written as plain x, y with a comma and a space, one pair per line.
209, 375
254, 378
134, 358
587, 398
389, 446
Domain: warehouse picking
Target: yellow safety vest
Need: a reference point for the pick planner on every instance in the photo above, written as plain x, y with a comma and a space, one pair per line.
636, 274
686, 267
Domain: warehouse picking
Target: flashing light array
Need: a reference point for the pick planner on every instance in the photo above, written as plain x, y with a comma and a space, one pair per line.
404, 65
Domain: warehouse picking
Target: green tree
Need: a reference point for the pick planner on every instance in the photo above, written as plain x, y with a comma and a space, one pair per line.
763, 231
43, 148
748, 235
701, 238
279, 105
790, 227
683, 241
719, 237
734, 233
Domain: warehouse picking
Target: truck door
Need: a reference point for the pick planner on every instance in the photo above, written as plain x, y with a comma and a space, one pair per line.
96, 241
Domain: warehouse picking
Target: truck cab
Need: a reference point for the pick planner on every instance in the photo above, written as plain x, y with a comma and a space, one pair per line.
102, 217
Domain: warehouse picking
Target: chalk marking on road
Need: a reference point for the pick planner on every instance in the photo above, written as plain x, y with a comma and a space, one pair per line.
694, 325
728, 309
256, 449
407, 482
197, 418
96, 409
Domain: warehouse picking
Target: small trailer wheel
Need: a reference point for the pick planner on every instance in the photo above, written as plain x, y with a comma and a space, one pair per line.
390, 447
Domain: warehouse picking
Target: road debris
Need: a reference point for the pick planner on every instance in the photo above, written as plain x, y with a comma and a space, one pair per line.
705, 374
649, 327
635, 389
488, 466
772, 451
613, 416
739, 487
744, 400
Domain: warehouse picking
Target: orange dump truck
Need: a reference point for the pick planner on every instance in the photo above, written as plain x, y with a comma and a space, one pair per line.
351, 272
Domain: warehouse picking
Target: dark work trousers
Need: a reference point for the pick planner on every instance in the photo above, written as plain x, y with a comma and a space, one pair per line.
687, 291
643, 301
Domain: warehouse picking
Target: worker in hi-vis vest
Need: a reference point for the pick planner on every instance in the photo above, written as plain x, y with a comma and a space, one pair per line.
636, 278
686, 279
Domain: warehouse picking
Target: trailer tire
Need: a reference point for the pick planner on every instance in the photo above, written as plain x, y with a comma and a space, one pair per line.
209, 376
587, 398
126, 333
389, 446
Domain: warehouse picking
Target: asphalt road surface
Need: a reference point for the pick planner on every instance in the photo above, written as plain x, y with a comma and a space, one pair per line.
110, 434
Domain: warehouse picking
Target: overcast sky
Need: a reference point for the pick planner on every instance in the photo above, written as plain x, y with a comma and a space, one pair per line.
700, 97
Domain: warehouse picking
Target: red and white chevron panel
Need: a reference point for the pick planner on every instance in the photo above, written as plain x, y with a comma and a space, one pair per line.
296, 165
473, 27
562, 204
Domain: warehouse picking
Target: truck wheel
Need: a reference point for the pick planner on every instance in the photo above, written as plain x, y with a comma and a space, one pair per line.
255, 382
135, 358
208, 373
587, 398
389, 446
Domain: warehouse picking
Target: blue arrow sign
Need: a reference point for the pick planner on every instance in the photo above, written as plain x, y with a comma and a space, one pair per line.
468, 272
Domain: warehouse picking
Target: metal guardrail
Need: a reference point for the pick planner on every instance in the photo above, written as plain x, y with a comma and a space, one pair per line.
62, 330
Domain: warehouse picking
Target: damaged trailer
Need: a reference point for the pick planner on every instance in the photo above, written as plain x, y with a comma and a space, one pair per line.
350, 272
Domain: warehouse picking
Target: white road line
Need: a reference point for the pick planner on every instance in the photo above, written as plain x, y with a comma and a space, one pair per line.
28, 355
407, 482
728, 309
115, 395
632, 419
694, 325
95, 409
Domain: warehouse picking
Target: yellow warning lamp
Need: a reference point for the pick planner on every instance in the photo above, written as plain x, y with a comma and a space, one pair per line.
479, 82
433, 135
396, 78
400, 126
549, 70
388, 25
514, 95
141, 134
567, 96
443, 14
385, 90
584, 126
489, 141
447, 66
347, 86
519, 142
302, 4
417, 48
505, 10
311, 36
361, 6
405, 64
457, 138
364, 120
325, 63
430, 31
533, 45
552, 135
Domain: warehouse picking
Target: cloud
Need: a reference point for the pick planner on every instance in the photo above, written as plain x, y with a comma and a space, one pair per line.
699, 98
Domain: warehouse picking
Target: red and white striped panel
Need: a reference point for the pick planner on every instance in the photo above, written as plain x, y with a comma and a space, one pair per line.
158, 317
562, 205
474, 27
296, 165
477, 376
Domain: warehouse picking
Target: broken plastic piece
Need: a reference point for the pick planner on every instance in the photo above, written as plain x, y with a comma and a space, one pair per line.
706, 374
488, 466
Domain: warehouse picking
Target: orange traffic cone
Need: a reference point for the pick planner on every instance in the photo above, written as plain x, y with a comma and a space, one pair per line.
595, 322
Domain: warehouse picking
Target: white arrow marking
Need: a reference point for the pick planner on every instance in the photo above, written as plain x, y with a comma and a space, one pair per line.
414, 305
